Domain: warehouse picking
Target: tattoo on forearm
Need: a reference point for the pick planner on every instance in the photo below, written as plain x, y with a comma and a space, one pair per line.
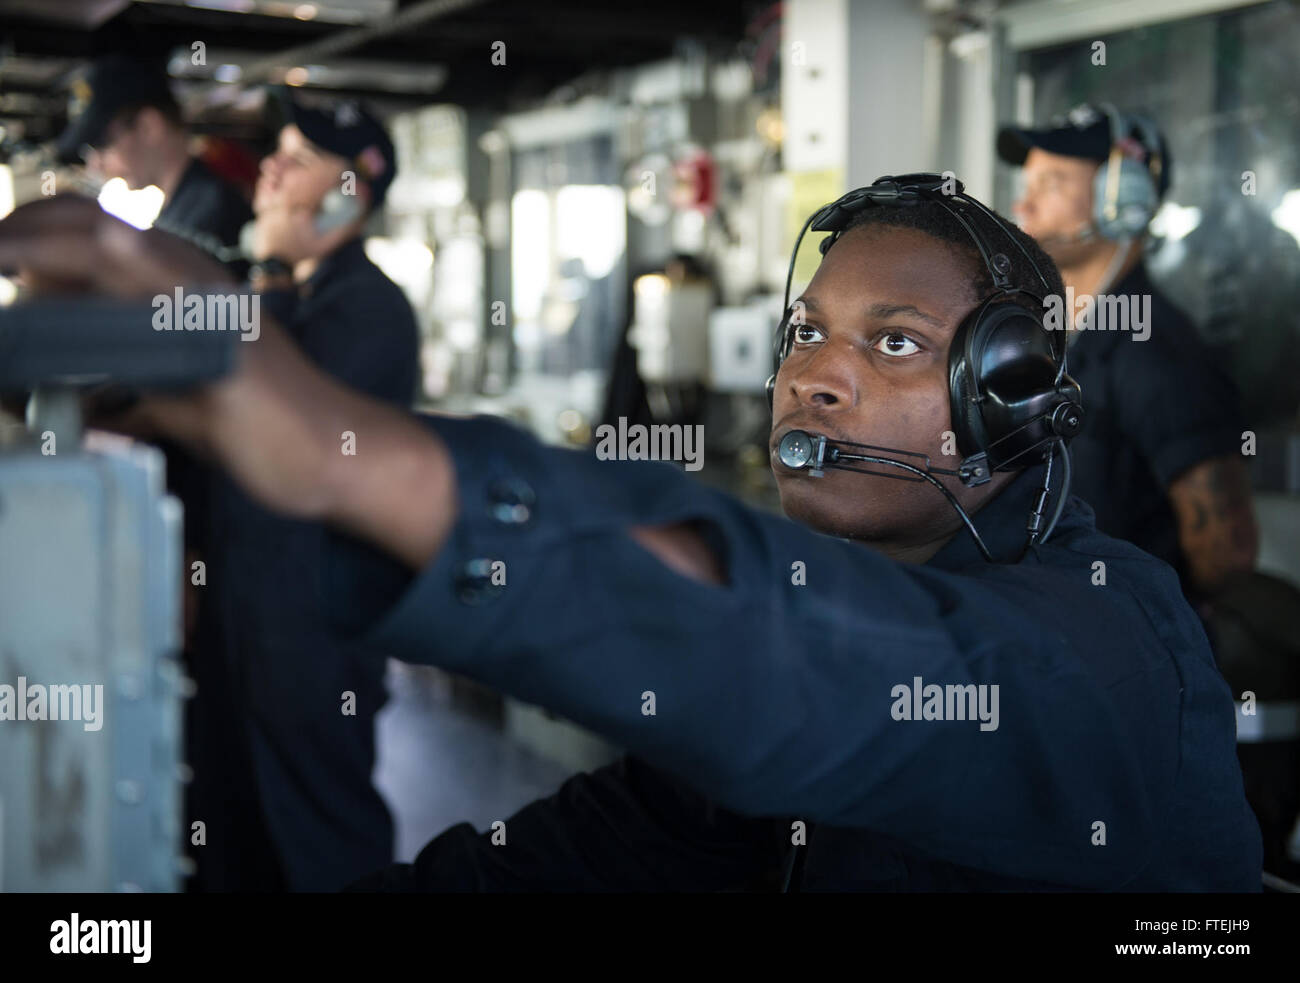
1216, 519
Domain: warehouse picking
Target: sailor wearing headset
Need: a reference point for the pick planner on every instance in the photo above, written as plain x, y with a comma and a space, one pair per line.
1160, 454
771, 716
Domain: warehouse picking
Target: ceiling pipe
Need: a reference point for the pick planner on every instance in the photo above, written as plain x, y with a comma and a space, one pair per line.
260, 71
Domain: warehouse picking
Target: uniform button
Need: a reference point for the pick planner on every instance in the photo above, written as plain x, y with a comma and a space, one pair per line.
511, 501
474, 582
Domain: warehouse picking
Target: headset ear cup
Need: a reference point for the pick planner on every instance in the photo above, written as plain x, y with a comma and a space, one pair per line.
1011, 358
963, 386
1135, 200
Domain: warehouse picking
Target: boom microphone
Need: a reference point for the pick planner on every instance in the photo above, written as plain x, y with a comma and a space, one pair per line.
800, 450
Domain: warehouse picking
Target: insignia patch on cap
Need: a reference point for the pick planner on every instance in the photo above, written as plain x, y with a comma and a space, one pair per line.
1082, 117
371, 162
346, 114
1132, 149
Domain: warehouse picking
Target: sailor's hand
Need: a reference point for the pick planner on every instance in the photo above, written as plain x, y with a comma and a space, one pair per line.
68, 244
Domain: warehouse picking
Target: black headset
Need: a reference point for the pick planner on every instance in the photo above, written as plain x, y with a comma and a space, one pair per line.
1006, 370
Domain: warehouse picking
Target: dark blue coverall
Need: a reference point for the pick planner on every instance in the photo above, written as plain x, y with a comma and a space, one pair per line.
1113, 766
282, 777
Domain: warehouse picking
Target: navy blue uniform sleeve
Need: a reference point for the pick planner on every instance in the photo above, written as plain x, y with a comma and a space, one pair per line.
624, 827
1176, 404
772, 697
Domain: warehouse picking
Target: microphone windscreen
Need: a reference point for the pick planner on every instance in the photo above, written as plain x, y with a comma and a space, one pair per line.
795, 449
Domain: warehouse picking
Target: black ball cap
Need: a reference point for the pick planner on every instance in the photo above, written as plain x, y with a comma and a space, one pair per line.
1082, 132
112, 83
345, 128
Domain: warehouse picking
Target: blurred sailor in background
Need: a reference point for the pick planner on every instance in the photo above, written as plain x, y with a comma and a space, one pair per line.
1160, 456
282, 758
127, 124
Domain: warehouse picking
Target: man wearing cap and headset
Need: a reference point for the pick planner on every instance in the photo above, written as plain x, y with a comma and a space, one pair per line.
282, 758
125, 122
949, 682
331, 169
1160, 456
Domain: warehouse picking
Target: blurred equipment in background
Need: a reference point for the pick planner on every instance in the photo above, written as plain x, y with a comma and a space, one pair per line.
670, 329
740, 347
85, 809
90, 572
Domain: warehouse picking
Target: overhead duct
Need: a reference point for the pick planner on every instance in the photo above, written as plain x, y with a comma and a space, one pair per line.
404, 78
264, 69
325, 11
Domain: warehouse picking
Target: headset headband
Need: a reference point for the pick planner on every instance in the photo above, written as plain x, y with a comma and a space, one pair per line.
908, 189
